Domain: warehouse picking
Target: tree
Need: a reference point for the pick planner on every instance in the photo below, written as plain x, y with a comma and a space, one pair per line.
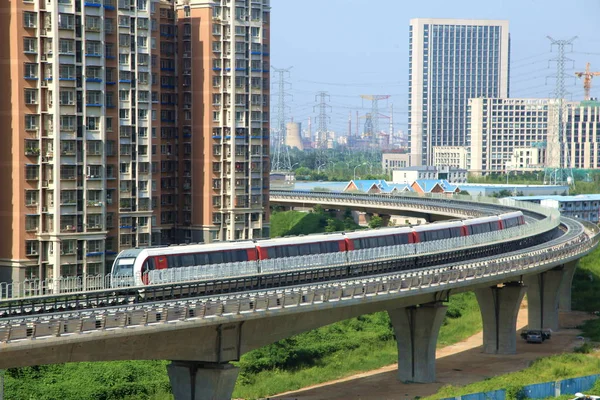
375, 222
318, 209
330, 227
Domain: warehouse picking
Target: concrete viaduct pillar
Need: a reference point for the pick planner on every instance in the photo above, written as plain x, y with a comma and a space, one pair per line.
499, 307
192, 380
542, 298
564, 300
417, 331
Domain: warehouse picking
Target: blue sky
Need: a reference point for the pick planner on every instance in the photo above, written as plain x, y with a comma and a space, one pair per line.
354, 47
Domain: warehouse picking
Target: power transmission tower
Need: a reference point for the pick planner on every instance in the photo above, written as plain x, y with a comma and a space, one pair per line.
559, 153
281, 154
321, 135
374, 98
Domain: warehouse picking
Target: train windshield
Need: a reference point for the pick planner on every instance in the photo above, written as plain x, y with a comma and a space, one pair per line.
124, 266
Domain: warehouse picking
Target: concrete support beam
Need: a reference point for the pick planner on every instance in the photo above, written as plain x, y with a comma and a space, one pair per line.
542, 298
499, 307
202, 381
564, 300
385, 218
417, 331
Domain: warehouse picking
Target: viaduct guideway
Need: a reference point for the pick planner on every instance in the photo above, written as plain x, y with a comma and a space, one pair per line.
202, 335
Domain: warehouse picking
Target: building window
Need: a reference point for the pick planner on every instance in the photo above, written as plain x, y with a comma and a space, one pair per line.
66, 46
31, 247
31, 197
30, 45
93, 48
31, 122
31, 223
66, 21
32, 172
94, 221
31, 71
29, 20
31, 96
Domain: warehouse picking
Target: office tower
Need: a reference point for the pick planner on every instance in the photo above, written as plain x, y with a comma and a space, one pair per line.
522, 135
100, 152
451, 61
226, 116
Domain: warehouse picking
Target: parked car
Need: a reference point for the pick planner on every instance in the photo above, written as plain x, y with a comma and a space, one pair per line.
535, 335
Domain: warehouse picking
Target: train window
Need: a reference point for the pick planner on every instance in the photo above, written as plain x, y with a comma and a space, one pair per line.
293, 251
215, 257
315, 248
241, 255
201, 259
173, 261
271, 252
187, 260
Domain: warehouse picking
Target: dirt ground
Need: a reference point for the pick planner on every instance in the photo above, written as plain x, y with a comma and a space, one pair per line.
459, 364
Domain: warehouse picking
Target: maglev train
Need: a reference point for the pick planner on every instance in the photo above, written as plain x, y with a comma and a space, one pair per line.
138, 262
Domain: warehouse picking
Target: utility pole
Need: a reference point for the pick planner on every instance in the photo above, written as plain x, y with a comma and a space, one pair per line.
563, 173
321, 136
374, 123
281, 155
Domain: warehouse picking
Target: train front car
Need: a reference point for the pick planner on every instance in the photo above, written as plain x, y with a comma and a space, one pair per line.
123, 272
198, 262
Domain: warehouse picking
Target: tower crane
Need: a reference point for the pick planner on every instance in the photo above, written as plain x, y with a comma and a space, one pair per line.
587, 76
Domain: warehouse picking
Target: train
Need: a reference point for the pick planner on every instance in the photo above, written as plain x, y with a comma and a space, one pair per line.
135, 264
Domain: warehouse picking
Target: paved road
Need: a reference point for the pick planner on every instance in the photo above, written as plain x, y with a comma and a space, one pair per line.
459, 364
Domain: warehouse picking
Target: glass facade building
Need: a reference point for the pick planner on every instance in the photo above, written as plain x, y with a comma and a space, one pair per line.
451, 61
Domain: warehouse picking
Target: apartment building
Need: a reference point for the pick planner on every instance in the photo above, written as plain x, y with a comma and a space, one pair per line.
105, 145
451, 61
228, 117
522, 135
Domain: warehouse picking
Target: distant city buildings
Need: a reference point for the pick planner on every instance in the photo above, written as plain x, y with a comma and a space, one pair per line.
392, 161
522, 135
451, 61
130, 123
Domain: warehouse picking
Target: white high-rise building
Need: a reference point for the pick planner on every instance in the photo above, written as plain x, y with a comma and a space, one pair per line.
451, 61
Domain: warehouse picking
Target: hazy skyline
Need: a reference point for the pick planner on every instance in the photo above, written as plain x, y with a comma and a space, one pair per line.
352, 47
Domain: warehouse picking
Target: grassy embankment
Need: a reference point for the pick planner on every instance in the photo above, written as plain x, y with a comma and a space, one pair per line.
586, 286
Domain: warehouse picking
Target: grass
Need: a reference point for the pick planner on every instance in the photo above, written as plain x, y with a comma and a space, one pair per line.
368, 344
543, 370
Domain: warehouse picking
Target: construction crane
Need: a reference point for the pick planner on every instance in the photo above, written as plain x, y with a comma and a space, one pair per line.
587, 76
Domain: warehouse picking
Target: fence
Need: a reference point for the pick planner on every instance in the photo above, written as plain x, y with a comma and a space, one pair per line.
538, 390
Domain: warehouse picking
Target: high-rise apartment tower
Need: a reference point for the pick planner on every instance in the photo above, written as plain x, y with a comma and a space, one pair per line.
224, 56
129, 123
451, 61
